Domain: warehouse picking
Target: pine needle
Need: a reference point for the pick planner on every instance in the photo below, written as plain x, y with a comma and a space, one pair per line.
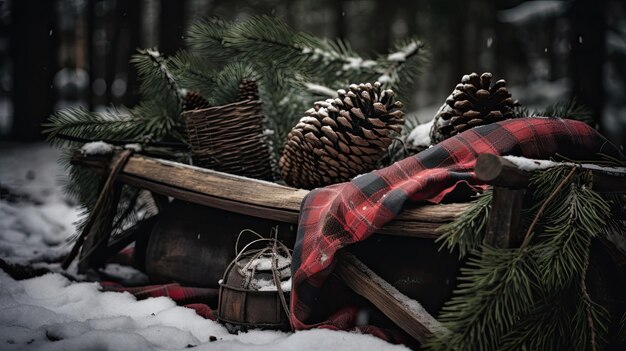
467, 231
528, 298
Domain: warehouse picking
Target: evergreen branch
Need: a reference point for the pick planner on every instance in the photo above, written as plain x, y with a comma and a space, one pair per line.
157, 81
554, 315
228, 81
284, 101
206, 38
80, 123
128, 205
193, 73
571, 225
159, 121
569, 109
588, 302
547, 275
565, 180
399, 68
467, 231
494, 288
166, 144
269, 42
621, 334
265, 39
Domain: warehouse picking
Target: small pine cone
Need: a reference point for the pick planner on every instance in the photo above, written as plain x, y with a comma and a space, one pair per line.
340, 138
194, 101
248, 90
474, 102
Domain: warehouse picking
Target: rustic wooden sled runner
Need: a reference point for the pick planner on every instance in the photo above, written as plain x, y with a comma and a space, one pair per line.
201, 190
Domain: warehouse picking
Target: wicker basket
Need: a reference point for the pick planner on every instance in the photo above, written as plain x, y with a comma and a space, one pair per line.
229, 138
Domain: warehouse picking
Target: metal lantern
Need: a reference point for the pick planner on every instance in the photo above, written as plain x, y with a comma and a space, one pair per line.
255, 288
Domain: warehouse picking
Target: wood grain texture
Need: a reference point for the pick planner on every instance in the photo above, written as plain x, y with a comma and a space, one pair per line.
253, 197
406, 313
503, 224
496, 170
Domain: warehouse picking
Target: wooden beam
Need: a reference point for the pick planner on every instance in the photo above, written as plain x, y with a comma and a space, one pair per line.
504, 218
408, 314
496, 170
251, 196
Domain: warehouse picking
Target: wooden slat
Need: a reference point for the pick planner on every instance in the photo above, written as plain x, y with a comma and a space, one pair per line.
253, 197
503, 224
497, 170
408, 314
211, 201
215, 183
431, 213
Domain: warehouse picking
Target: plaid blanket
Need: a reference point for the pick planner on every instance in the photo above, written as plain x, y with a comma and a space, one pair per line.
342, 214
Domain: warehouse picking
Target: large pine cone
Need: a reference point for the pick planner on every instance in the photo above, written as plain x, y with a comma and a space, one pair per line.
194, 101
340, 138
473, 102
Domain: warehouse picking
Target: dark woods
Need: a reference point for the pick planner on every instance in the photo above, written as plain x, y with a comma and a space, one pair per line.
59, 53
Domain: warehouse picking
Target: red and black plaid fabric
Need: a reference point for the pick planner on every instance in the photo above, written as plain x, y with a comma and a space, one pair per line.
342, 214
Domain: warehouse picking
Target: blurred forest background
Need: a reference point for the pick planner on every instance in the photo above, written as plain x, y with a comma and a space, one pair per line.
59, 53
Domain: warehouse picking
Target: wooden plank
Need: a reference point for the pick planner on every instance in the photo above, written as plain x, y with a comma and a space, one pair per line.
278, 214
254, 197
431, 213
206, 181
504, 219
408, 314
411, 229
497, 170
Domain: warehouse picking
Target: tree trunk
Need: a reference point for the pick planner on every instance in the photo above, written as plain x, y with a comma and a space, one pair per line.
34, 55
91, 22
132, 19
340, 26
587, 37
172, 26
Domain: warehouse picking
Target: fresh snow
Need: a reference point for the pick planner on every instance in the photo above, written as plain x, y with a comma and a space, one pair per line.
319, 89
356, 63
97, 148
400, 56
384, 78
134, 147
264, 263
528, 164
36, 217
51, 312
420, 135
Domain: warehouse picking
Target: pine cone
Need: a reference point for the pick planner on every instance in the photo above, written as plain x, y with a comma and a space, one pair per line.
194, 101
473, 102
340, 138
248, 90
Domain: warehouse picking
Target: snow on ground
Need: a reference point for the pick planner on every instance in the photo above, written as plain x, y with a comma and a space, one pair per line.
51, 312
36, 217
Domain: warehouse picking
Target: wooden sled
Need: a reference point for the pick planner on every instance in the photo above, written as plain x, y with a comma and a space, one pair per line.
274, 202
